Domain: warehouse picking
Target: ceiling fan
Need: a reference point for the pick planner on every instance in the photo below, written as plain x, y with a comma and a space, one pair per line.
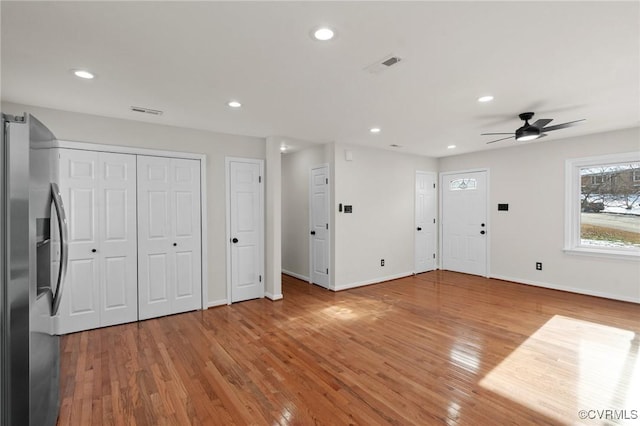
529, 132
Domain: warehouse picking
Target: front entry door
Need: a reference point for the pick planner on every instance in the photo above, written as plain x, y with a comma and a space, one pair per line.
319, 224
246, 224
464, 222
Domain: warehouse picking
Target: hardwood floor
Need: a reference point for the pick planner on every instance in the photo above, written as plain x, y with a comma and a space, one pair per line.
437, 348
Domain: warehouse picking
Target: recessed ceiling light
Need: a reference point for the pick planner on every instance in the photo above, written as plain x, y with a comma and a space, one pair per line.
83, 74
323, 34
451, 147
375, 130
283, 148
487, 98
234, 104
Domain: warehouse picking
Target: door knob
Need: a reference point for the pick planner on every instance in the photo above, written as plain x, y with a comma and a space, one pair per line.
313, 232
234, 240
482, 224
93, 250
175, 244
419, 229
482, 232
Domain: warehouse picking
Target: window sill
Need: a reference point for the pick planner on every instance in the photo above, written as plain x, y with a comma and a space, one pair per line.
611, 254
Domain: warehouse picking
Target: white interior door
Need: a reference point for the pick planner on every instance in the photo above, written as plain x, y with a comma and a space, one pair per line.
80, 304
118, 251
169, 242
99, 190
246, 224
319, 224
187, 235
425, 222
464, 222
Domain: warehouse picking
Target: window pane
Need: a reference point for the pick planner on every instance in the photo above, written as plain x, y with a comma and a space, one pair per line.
462, 184
610, 205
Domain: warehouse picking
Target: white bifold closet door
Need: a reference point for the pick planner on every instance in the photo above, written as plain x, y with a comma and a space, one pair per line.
99, 193
169, 236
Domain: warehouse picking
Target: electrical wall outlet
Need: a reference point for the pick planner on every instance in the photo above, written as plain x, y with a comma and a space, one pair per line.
538, 266
381, 262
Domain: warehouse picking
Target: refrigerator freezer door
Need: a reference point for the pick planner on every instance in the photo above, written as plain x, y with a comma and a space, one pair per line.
30, 358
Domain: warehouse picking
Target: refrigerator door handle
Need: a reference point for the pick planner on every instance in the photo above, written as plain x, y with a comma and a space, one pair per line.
64, 246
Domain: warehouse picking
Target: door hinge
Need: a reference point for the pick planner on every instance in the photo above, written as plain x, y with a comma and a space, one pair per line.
327, 226
434, 186
259, 179
260, 277
434, 255
326, 180
434, 220
327, 270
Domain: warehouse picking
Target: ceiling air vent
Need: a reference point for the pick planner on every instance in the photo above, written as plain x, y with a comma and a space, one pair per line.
146, 110
383, 64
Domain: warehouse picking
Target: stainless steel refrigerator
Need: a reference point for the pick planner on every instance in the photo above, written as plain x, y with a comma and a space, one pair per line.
33, 259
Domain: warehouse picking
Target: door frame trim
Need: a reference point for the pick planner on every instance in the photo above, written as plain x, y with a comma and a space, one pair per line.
309, 185
435, 213
119, 149
442, 177
227, 185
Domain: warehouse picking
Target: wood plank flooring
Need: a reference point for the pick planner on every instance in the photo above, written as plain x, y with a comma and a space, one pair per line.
437, 348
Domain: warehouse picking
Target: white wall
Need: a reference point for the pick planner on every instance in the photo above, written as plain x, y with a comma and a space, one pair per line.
273, 230
380, 185
295, 208
90, 128
531, 179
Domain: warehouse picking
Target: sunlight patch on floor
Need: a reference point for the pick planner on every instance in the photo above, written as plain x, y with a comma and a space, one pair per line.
569, 365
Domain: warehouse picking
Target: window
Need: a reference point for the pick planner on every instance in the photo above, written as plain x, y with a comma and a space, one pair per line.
602, 212
597, 179
462, 184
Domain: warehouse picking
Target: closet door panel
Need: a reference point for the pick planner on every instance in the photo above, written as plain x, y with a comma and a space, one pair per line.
187, 234
156, 263
118, 245
80, 304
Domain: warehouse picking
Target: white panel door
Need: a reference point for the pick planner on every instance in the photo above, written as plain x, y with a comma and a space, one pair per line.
156, 269
319, 224
246, 224
118, 249
186, 228
169, 236
425, 222
464, 222
99, 190
80, 304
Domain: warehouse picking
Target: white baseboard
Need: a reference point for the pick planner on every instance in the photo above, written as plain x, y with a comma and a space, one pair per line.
373, 281
568, 289
213, 303
294, 275
273, 296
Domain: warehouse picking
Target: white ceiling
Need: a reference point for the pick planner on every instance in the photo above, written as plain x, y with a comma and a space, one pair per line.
562, 60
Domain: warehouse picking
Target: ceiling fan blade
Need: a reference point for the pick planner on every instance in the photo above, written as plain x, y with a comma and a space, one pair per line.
561, 126
491, 134
542, 122
498, 140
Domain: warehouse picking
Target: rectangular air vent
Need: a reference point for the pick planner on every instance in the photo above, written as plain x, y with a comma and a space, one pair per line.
146, 110
391, 61
383, 64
